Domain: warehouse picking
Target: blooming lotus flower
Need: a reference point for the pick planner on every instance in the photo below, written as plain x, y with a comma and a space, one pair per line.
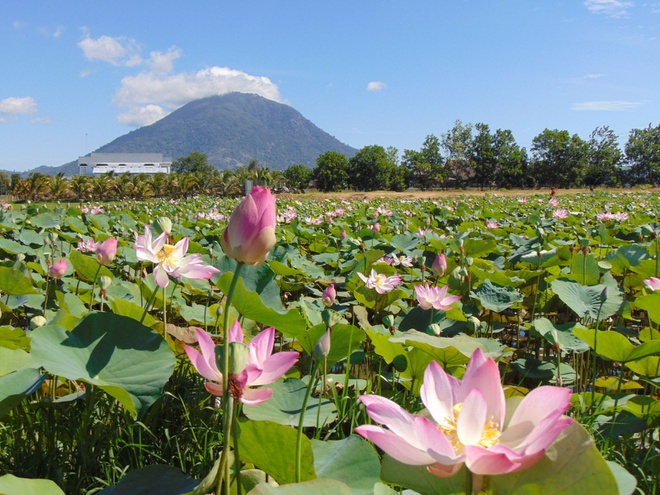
250, 233
329, 295
653, 283
439, 266
469, 423
560, 213
492, 224
380, 282
58, 269
171, 260
263, 367
106, 251
434, 297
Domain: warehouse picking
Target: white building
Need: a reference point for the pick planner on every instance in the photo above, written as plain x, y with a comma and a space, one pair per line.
124, 163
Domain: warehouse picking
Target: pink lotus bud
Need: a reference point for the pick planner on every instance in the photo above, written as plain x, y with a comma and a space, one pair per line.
58, 269
106, 252
329, 295
342, 236
250, 233
439, 266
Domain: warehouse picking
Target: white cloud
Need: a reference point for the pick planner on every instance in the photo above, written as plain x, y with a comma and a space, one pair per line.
140, 116
150, 96
375, 86
18, 106
605, 106
115, 51
610, 8
163, 62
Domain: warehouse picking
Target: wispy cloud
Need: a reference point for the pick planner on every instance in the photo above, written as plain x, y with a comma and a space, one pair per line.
376, 86
18, 105
610, 8
151, 95
605, 106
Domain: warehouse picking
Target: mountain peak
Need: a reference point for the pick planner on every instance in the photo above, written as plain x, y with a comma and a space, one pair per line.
232, 130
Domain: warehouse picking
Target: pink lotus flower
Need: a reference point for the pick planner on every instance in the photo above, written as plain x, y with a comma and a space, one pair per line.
106, 251
329, 295
439, 266
492, 224
469, 423
58, 269
263, 367
560, 213
380, 282
171, 260
653, 283
434, 297
250, 233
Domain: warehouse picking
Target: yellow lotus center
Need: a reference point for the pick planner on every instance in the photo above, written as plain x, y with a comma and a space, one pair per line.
490, 434
168, 256
379, 280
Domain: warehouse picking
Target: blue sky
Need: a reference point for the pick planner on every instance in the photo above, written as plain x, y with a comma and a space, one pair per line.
78, 74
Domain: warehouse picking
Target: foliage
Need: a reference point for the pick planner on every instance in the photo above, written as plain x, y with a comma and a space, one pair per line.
331, 172
96, 392
298, 177
193, 162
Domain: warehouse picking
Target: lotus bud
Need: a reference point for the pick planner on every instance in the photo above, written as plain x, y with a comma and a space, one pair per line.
165, 224
329, 295
107, 251
37, 321
435, 328
342, 235
104, 282
473, 323
250, 233
440, 265
58, 269
322, 347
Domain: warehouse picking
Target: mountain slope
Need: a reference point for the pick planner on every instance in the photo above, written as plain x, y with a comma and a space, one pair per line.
232, 130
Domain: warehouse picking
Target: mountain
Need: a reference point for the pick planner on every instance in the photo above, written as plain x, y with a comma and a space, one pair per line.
232, 130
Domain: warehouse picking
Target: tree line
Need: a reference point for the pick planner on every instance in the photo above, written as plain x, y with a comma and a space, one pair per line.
465, 156
474, 156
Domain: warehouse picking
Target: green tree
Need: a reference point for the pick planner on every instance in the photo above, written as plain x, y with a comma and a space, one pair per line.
510, 160
425, 167
558, 159
331, 172
483, 156
643, 154
604, 158
458, 145
298, 176
193, 163
370, 169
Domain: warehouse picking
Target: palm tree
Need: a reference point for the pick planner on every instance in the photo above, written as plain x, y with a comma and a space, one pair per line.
59, 187
80, 187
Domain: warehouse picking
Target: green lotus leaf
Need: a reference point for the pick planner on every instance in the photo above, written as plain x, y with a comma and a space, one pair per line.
286, 403
115, 353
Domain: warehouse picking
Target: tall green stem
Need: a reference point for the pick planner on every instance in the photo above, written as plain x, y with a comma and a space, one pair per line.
301, 422
150, 303
227, 403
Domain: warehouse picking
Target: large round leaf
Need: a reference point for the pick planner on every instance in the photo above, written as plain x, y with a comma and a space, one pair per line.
11, 485
286, 403
14, 283
496, 298
118, 354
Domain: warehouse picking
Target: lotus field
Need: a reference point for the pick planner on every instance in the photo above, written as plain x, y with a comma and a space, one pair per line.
467, 344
